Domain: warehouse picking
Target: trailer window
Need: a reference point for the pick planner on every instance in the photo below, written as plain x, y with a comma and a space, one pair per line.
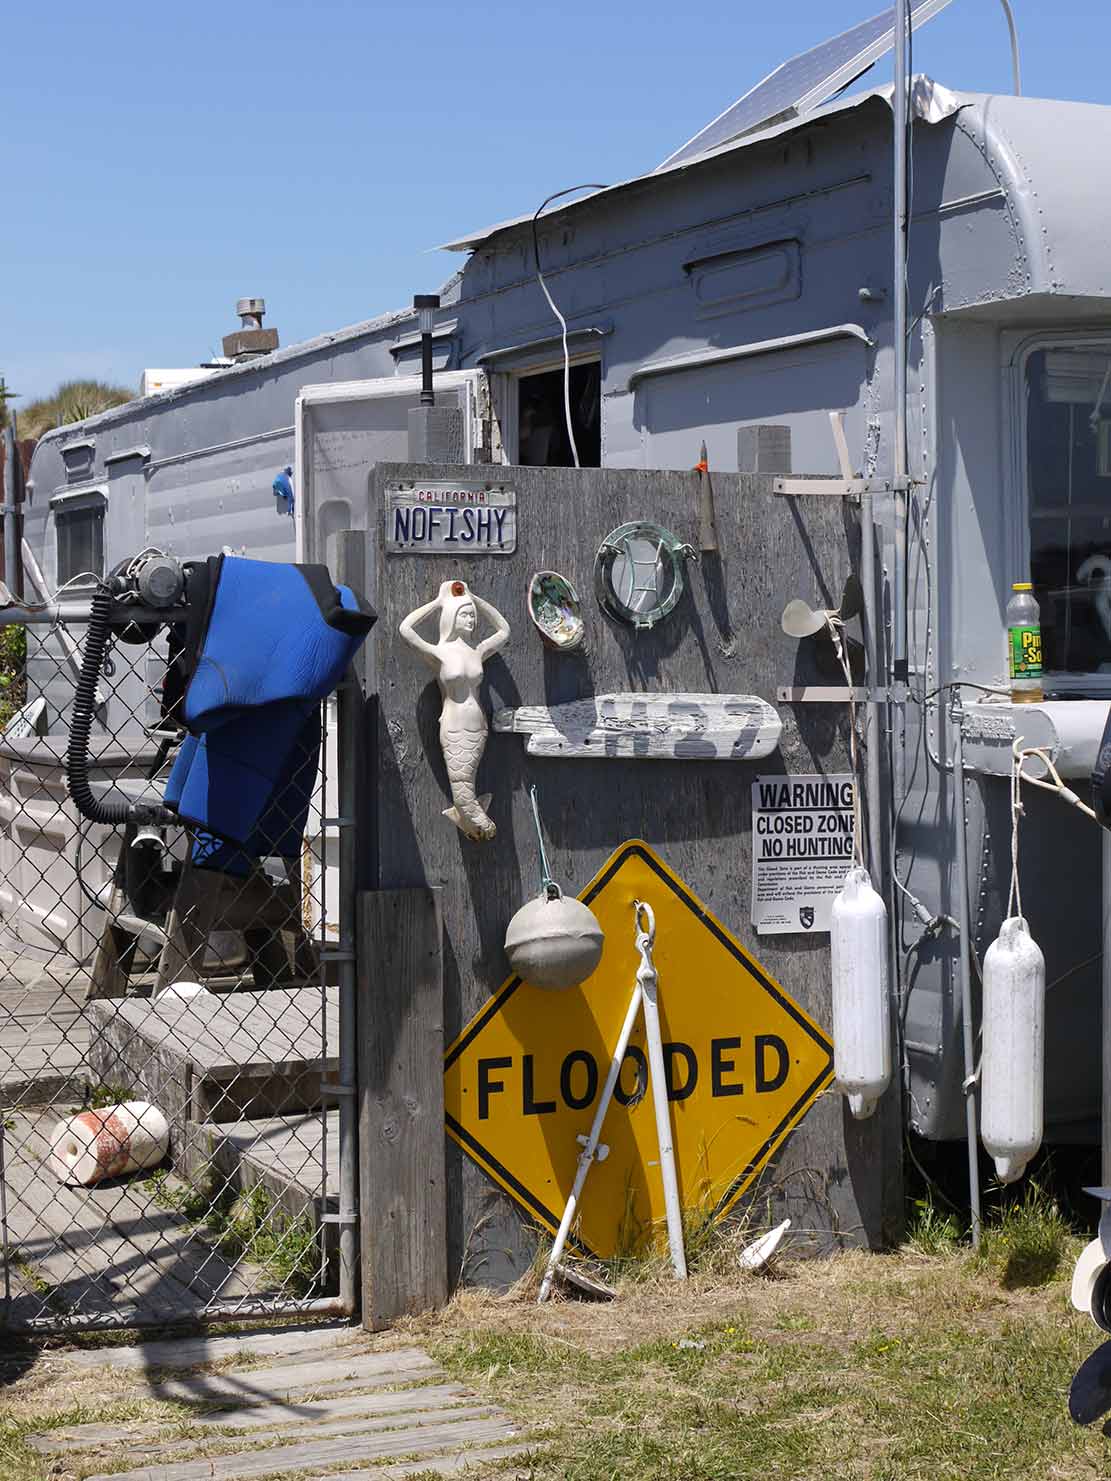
80, 533
1068, 451
542, 421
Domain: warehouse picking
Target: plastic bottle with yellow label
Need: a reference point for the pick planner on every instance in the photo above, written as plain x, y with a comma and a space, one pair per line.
1024, 645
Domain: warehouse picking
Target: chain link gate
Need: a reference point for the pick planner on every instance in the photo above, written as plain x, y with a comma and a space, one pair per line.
166, 1000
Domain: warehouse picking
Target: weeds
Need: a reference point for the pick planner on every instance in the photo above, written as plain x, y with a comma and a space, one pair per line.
1025, 1240
930, 1231
892, 1368
99, 1097
248, 1226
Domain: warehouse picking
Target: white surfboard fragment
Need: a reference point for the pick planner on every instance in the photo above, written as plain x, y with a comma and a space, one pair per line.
756, 1255
650, 727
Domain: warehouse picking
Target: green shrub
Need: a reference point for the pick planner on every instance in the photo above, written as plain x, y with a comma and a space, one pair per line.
13, 670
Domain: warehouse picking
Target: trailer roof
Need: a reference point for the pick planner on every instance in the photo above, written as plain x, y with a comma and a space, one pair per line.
931, 102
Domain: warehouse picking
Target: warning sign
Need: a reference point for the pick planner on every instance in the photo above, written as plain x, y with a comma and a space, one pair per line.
802, 848
743, 1064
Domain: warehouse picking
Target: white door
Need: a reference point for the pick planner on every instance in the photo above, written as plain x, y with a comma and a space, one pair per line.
342, 430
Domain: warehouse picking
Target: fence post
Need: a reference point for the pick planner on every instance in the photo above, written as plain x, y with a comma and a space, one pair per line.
401, 1104
351, 571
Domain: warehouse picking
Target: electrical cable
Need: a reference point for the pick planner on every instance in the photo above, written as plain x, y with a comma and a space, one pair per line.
1016, 66
571, 189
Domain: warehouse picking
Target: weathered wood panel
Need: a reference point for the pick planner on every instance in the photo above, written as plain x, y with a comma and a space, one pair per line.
290, 1342
836, 1177
401, 1104
412, 1440
218, 1058
292, 1380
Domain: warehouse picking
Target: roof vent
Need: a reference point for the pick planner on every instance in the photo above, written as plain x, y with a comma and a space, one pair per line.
250, 339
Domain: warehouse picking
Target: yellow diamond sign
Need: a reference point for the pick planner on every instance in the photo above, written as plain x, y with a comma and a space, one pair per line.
744, 1063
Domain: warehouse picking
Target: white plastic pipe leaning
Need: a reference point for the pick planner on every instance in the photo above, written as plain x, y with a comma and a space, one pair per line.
1012, 1078
95, 1145
861, 1011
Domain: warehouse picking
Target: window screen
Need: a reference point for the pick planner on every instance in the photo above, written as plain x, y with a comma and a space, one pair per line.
1068, 453
80, 540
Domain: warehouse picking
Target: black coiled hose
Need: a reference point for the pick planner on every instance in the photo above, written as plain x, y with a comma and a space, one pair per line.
84, 703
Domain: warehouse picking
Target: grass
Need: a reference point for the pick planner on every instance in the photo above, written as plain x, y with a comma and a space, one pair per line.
1026, 1240
906, 1367
99, 1097
931, 1363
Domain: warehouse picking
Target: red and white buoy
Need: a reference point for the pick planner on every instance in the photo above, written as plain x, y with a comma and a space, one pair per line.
95, 1145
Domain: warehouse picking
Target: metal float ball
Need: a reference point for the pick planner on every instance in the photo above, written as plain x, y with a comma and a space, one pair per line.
554, 941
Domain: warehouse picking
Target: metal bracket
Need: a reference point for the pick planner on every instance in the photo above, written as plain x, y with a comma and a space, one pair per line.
836, 488
337, 1090
336, 954
601, 1151
339, 1218
337, 822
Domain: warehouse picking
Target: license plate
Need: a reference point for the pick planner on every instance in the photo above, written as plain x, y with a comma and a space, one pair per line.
467, 518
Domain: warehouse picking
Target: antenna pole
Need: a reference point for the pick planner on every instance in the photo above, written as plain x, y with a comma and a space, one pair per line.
899, 333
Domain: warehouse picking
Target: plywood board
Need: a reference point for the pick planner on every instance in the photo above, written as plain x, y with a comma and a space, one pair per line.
840, 1180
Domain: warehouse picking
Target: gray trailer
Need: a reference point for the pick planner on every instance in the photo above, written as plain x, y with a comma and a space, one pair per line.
736, 298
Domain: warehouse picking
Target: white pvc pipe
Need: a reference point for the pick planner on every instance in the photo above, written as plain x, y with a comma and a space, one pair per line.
648, 979
586, 1156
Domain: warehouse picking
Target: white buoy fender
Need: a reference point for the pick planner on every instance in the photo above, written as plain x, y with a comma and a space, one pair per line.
95, 1145
861, 1011
554, 941
1012, 1081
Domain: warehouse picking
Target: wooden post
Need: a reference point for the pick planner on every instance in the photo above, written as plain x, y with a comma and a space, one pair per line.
401, 1104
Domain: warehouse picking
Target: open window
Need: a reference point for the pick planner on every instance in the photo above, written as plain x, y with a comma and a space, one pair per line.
1068, 462
541, 420
79, 534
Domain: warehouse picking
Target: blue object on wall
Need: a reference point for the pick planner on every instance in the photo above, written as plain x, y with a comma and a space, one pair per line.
283, 491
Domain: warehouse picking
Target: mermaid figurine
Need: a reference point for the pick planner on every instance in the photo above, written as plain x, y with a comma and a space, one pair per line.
458, 666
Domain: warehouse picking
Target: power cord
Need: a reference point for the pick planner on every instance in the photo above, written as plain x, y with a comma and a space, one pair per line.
571, 189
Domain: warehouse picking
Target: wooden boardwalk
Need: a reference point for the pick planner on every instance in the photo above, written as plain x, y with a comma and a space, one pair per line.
219, 1057
44, 1040
323, 1404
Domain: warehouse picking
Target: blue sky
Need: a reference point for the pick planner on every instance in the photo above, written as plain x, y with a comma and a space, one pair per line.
166, 160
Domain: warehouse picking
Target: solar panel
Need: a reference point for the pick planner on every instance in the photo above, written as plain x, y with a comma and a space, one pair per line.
804, 81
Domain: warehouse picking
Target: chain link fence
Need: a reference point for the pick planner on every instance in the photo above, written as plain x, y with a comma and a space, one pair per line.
169, 1024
